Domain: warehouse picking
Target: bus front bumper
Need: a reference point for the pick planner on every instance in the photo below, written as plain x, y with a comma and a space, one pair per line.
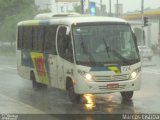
107, 87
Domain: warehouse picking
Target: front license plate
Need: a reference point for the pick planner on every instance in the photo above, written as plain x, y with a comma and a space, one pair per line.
111, 86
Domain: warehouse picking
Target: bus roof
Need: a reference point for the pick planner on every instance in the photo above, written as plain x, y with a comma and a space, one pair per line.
72, 20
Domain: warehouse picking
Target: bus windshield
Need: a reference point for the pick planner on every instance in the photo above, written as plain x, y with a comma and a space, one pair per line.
100, 44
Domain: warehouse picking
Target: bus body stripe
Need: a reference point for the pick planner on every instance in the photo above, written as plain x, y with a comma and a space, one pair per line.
38, 60
31, 22
26, 58
115, 69
44, 22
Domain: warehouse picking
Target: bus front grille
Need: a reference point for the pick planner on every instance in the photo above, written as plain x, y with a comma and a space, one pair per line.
112, 78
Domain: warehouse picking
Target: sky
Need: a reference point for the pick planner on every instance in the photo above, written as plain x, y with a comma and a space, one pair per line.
132, 5
128, 5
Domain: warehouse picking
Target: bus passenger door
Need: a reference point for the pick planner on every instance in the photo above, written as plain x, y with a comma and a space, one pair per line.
61, 41
65, 56
52, 60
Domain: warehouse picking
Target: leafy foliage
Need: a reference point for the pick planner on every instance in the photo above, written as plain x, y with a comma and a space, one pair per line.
77, 8
13, 11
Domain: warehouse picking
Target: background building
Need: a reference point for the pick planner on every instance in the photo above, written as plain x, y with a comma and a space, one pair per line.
118, 9
44, 4
152, 31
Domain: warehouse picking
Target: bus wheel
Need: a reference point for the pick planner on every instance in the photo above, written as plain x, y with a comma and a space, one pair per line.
75, 98
35, 84
127, 95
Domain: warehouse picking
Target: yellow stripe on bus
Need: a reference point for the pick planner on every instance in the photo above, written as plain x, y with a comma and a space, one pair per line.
39, 65
31, 22
115, 69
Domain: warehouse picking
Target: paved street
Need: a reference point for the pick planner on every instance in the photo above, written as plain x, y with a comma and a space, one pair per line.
17, 95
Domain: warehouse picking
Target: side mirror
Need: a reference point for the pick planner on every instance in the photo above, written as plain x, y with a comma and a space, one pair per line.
67, 30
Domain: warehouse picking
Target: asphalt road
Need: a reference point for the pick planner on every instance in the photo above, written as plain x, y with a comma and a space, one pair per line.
18, 97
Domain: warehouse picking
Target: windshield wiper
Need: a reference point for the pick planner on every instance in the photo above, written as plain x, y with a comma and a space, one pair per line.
107, 48
85, 50
116, 53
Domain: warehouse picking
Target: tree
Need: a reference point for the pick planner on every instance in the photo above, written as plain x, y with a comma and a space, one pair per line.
13, 11
12, 7
77, 8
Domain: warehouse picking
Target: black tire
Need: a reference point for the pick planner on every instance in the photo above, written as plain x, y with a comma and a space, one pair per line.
35, 84
75, 98
127, 95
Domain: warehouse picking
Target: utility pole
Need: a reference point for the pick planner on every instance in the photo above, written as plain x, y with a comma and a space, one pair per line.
142, 19
82, 6
159, 37
62, 9
101, 7
57, 6
66, 7
110, 8
117, 8
47, 5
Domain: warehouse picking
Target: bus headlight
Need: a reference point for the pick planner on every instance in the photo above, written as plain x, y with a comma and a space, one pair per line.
133, 75
88, 76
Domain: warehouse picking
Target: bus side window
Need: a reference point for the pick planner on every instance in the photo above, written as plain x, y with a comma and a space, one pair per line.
38, 38
69, 50
19, 37
64, 45
50, 35
27, 37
